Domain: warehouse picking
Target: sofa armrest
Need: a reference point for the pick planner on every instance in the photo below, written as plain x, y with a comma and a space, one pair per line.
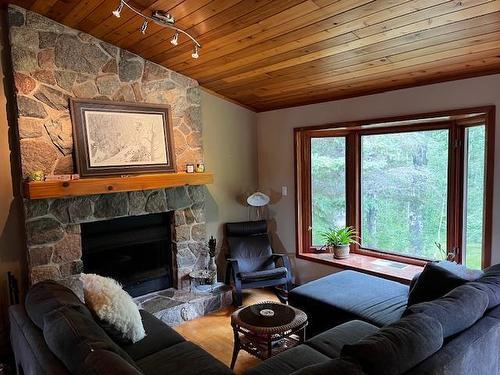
32, 355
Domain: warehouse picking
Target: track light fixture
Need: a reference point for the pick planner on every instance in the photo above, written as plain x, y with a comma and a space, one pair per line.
144, 26
117, 12
163, 19
175, 39
195, 53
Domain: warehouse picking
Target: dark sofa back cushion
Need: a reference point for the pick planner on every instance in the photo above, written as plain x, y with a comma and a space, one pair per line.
47, 296
397, 347
456, 311
72, 335
437, 279
489, 283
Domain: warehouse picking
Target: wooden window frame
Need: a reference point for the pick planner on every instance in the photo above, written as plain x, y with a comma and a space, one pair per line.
456, 121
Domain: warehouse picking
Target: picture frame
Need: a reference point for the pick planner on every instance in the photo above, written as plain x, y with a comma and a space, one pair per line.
120, 138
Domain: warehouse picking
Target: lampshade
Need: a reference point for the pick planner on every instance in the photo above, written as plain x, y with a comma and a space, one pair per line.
258, 199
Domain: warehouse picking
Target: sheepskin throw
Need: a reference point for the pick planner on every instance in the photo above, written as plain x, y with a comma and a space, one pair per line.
114, 307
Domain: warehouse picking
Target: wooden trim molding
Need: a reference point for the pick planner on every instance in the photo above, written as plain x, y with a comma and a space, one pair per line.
456, 121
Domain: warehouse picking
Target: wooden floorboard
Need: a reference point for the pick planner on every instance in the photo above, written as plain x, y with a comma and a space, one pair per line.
213, 332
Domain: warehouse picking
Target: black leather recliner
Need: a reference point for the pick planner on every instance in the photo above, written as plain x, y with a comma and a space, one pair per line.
251, 262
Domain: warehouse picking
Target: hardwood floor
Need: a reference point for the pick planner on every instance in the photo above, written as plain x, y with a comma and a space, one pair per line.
214, 333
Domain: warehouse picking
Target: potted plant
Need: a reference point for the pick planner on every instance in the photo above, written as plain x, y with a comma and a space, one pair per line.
340, 239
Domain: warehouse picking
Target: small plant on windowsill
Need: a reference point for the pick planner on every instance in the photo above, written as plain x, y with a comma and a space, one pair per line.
340, 239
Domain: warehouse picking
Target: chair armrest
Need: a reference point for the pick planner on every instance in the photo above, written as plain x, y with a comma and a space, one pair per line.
286, 262
233, 264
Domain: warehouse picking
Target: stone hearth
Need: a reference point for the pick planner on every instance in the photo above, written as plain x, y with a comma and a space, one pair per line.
177, 306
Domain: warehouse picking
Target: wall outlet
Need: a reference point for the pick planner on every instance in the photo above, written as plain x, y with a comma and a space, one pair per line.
284, 191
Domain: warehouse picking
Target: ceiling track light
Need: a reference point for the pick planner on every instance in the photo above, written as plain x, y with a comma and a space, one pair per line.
163, 19
175, 39
144, 26
195, 53
117, 12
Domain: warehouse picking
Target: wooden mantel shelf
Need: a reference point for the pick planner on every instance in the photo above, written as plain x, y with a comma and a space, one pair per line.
103, 185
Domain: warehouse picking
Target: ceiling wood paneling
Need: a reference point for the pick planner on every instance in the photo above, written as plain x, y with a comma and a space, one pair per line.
269, 54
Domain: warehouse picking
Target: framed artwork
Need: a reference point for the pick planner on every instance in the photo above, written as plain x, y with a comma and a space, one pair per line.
115, 138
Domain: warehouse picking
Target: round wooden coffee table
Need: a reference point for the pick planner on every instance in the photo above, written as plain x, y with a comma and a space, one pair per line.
266, 329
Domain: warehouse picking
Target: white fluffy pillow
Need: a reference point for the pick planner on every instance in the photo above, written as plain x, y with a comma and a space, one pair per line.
111, 304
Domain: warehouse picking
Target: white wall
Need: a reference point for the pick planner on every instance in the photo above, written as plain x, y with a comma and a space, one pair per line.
229, 145
275, 142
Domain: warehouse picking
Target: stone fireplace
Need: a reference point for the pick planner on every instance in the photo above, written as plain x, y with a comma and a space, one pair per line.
54, 228
52, 63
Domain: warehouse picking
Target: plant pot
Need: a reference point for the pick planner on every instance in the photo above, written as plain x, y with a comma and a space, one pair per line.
341, 252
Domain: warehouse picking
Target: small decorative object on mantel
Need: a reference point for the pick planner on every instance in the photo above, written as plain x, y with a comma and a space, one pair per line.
212, 265
36, 176
62, 177
200, 167
189, 168
161, 18
122, 138
339, 240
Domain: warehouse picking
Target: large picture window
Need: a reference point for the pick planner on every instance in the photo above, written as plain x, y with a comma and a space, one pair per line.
415, 189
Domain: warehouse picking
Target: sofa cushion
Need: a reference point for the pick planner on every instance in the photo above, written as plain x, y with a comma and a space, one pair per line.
456, 311
72, 336
398, 347
490, 284
275, 273
437, 279
47, 296
289, 361
350, 295
158, 336
185, 358
330, 342
104, 362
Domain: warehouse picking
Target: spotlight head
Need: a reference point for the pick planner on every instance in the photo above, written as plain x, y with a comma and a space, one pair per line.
195, 53
175, 39
117, 12
144, 26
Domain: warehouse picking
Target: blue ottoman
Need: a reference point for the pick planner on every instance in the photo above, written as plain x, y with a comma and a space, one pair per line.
349, 295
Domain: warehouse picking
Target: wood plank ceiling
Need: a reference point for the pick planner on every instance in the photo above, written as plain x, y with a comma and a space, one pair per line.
269, 54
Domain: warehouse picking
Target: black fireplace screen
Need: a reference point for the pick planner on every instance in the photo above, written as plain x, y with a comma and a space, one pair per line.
135, 250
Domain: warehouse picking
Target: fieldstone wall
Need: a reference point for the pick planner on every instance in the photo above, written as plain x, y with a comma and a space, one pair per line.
52, 63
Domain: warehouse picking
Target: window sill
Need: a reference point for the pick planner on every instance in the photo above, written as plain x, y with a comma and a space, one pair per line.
365, 263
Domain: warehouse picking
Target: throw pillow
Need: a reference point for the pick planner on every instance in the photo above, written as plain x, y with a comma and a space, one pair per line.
72, 336
114, 307
456, 311
398, 347
437, 279
47, 296
490, 284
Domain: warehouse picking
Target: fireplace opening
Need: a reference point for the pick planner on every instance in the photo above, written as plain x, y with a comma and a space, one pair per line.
135, 250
